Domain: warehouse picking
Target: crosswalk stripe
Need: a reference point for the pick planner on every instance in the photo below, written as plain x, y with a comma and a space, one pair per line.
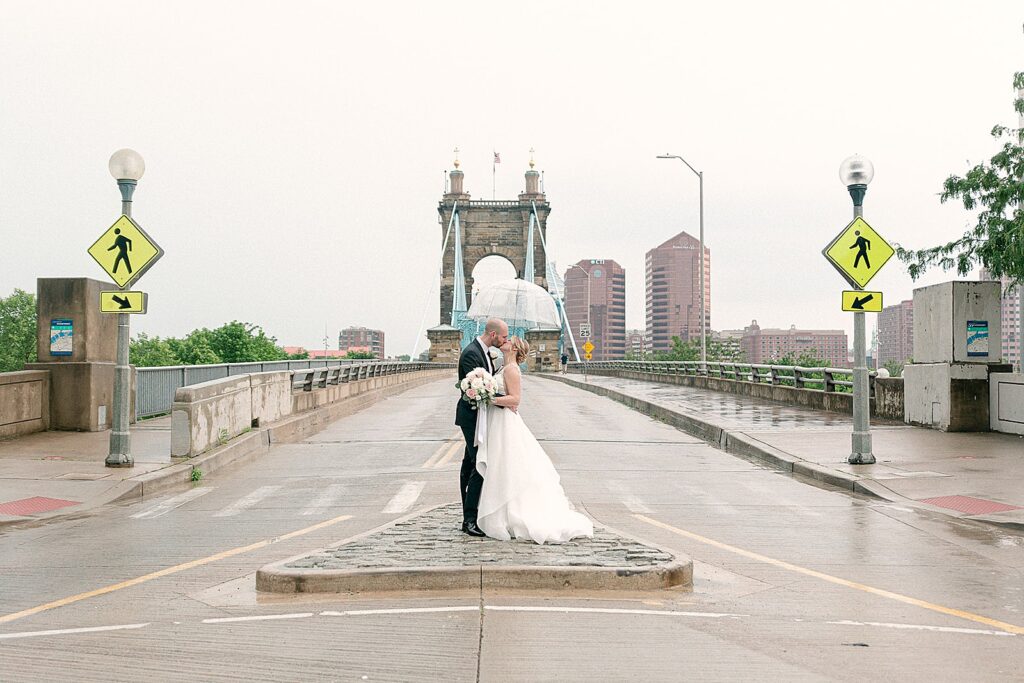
247, 502
406, 496
166, 506
326, 498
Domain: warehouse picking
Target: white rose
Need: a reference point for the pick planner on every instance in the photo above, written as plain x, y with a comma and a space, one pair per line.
465, 384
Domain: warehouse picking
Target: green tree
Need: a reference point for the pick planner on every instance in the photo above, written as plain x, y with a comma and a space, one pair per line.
996, 190
299, 355
717, 351
894, 367
17, 330
195, 349
361, 355
146, 352
237, 342
805, 359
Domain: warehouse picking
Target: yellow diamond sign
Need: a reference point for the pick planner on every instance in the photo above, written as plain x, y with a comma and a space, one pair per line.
125, 251
588, 347
858, 253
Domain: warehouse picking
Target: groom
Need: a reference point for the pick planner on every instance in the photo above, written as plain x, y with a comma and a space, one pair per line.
477, 354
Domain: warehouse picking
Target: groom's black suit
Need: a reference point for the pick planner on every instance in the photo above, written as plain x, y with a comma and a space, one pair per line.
470, 481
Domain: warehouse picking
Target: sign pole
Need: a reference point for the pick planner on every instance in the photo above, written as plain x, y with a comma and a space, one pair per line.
861, 452
120, 454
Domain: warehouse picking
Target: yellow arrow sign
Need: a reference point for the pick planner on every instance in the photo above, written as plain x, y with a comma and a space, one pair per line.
587, 355
123, 302
858, 252
588, 347
860, 301
125, 251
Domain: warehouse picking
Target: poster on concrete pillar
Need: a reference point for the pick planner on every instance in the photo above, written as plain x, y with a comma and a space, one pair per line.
61, 337
977, 338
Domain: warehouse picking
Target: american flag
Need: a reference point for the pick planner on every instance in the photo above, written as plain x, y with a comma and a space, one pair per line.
497, 158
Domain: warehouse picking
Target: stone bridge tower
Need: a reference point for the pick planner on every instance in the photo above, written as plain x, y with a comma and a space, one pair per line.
491, 228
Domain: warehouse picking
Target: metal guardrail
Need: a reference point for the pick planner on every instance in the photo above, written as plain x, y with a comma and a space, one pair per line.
156, 386
756, 373
319, 378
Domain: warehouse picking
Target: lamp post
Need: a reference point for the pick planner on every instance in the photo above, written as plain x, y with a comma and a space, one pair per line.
703, 284
856, 172
585, 272
127, 166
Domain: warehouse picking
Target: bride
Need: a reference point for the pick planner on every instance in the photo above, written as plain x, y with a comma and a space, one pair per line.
522, 497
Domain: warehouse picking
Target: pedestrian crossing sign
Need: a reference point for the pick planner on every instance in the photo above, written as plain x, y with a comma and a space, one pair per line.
858, 253
588, 347
125, 251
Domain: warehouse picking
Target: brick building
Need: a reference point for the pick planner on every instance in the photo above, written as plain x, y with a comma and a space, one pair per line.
896, 333
603, 285
362, 339
672, 288
636, 343
770, 345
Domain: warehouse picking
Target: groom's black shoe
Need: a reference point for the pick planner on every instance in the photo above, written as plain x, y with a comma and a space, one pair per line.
472, 529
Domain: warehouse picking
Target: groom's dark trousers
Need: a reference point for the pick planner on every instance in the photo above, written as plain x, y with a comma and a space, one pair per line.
470, 481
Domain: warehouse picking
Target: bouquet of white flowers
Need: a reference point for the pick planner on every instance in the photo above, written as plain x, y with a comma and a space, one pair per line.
478, 388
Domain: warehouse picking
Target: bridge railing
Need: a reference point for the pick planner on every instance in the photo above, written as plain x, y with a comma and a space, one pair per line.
320, 378
830, 380
156, 386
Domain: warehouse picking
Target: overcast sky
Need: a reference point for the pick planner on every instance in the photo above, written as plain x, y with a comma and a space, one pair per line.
295, 151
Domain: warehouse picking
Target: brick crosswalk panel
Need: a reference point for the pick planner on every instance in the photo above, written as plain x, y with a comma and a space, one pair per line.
29, 506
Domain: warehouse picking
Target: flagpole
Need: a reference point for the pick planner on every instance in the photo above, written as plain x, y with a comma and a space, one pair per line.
494, 172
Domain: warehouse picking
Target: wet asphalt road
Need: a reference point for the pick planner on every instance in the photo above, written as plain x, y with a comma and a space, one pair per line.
792, 581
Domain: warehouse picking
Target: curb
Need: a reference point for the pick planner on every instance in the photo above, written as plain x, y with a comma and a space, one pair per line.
241, 449
276, 578
750, 449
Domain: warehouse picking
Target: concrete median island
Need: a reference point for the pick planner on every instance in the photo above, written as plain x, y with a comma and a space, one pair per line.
427, 551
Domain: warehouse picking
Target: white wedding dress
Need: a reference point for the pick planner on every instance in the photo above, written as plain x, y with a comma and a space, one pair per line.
522, 496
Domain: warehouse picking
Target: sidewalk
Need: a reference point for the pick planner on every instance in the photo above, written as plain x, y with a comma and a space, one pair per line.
50, 471
972, 475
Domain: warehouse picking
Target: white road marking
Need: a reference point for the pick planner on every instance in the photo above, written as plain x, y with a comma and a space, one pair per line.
69, 631
326, 498
166, 506
405, 497
923, 627
247, 502
632, 503
404, 610
609, 610
258, 617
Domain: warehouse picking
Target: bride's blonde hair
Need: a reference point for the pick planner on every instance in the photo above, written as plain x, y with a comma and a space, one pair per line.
521, 347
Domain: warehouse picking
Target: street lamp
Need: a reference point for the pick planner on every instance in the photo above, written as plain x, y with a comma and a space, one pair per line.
703, 284
127, 166
856, 172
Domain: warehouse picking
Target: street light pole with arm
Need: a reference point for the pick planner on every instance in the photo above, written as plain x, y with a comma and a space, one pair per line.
703, 283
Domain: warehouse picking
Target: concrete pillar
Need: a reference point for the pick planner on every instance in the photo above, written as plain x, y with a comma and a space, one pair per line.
445, 344
543, 349
78, 345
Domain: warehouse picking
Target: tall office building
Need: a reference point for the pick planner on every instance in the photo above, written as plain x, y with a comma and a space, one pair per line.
1010, 314
764, 345
896, 333
602, 283
362, 339
673, 285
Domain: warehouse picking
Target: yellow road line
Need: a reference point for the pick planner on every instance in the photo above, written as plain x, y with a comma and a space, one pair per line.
169, 570
437, 455
456, 447
970, 616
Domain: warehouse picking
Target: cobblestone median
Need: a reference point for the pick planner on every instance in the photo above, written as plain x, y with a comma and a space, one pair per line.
434, 540
429, 551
